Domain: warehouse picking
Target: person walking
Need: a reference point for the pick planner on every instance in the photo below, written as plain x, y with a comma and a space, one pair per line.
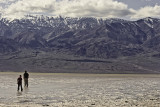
19, 82
26, 76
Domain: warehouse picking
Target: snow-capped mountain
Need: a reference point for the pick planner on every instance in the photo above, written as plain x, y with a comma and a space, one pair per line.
86, 37
81, 35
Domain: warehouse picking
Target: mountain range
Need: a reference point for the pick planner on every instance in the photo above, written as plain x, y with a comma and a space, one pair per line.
80, 45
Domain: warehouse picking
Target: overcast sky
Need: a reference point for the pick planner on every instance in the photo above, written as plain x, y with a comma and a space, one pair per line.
125, 9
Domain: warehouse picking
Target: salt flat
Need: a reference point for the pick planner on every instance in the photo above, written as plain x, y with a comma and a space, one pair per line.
81, 90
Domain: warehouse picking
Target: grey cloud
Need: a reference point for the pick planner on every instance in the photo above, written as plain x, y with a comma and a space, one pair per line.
147, 11
77, 8
72, 8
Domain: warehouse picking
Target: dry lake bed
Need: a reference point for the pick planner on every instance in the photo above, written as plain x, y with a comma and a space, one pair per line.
81, 90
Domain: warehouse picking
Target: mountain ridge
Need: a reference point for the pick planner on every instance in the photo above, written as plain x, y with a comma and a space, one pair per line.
86, 38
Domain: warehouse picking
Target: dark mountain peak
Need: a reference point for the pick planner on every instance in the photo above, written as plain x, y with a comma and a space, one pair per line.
149, 20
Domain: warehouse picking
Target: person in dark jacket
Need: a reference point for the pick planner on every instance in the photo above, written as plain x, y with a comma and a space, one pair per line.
19, 82
26, 76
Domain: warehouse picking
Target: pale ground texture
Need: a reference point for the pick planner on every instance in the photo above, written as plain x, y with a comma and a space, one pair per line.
81, 90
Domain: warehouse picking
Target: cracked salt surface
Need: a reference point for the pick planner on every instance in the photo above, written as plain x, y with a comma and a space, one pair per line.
81, 90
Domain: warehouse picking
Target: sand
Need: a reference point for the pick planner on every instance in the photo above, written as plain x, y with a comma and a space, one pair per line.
81, 90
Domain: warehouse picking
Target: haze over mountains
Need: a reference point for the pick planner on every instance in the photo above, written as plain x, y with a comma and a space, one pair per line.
80, 45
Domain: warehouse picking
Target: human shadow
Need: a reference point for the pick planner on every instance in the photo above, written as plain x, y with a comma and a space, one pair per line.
26, 90
19, 93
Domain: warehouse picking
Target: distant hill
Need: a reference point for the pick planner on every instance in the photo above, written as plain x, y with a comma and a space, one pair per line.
80, 45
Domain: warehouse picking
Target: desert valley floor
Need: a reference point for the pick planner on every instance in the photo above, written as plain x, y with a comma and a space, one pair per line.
81, 90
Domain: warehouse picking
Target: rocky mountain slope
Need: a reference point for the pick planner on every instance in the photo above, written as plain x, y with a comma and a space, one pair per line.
88, 45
